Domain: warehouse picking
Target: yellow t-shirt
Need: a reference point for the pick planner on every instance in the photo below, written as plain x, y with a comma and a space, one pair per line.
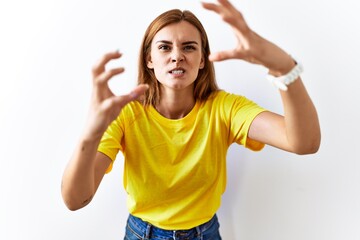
175, 170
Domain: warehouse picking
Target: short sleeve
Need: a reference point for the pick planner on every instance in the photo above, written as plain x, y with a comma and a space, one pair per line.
240, 112
110, 143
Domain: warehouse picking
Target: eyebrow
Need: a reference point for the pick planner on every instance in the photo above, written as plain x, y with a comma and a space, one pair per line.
184, 43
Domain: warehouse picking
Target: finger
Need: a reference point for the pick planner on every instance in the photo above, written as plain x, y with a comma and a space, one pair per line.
138, 91
227, 12
112, 106
99, 67
104, 77
220, 8
133, 95
225, 3
223, 55
121, 101
211, 6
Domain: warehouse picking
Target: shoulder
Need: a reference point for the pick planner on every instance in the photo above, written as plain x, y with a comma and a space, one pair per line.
222, 98
228, 104
134, 107
131, 111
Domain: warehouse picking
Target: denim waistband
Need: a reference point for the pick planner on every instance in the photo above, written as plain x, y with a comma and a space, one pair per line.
144, 229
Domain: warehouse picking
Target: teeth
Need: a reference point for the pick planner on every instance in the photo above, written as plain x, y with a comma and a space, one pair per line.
177, 71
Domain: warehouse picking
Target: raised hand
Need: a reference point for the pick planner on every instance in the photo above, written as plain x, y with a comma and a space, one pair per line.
105, 105
250, 46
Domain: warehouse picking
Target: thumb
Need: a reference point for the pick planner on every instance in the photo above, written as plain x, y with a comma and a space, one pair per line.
138, 91
223, 55
133, 95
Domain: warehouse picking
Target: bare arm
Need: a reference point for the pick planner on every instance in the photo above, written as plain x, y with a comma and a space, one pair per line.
87, 166
298, 130
83, 174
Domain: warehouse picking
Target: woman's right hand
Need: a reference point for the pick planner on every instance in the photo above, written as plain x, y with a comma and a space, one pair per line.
105, 105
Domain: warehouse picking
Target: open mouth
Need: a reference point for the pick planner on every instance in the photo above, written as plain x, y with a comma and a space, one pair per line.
177, 71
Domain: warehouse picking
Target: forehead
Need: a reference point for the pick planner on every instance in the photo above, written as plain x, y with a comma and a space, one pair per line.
181, 31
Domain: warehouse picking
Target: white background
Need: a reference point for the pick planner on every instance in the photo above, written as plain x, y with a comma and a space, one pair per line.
47, 49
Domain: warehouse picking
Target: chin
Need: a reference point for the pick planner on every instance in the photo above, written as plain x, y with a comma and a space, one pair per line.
177, 85
181, 86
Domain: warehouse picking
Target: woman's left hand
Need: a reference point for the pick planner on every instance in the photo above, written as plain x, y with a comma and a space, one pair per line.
250, 46
298, 130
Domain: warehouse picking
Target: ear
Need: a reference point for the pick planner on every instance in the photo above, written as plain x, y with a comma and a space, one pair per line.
149, 63
202, 63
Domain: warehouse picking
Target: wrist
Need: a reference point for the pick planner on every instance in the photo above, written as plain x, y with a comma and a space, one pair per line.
284, 68
284, 80
90, 138
89, 142
272, 57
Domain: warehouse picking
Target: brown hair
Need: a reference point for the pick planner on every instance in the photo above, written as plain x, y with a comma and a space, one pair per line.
204, 85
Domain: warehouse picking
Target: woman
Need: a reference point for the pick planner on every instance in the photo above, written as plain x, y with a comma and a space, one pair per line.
175, 127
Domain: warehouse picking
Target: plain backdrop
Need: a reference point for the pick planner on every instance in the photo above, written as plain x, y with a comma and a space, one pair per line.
47, 49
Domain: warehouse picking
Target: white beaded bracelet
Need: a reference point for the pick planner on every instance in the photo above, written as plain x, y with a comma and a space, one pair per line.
283, 81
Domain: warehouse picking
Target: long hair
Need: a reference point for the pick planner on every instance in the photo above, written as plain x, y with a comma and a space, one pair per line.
205, 83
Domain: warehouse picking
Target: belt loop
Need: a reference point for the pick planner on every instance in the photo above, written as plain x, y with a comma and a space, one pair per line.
199, 233
147, 233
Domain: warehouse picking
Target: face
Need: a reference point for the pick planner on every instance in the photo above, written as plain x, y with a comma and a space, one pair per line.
176, 56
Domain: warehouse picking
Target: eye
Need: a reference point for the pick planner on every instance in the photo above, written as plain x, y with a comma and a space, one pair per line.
164, 47
189, 48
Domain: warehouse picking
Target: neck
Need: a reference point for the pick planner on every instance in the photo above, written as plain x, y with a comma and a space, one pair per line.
175, 105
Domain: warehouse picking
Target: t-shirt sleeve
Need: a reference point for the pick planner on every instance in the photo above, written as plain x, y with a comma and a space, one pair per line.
110, 143
240, 113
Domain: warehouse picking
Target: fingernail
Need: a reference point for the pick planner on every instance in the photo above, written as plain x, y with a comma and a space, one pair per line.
134, 95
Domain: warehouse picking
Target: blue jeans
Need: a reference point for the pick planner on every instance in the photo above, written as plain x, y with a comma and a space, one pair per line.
136, 229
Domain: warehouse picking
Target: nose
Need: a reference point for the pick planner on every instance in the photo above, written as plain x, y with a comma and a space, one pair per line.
177, 56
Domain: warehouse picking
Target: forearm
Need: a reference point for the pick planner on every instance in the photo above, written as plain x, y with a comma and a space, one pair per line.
298, 130
301, 119
301, 122
78, 183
